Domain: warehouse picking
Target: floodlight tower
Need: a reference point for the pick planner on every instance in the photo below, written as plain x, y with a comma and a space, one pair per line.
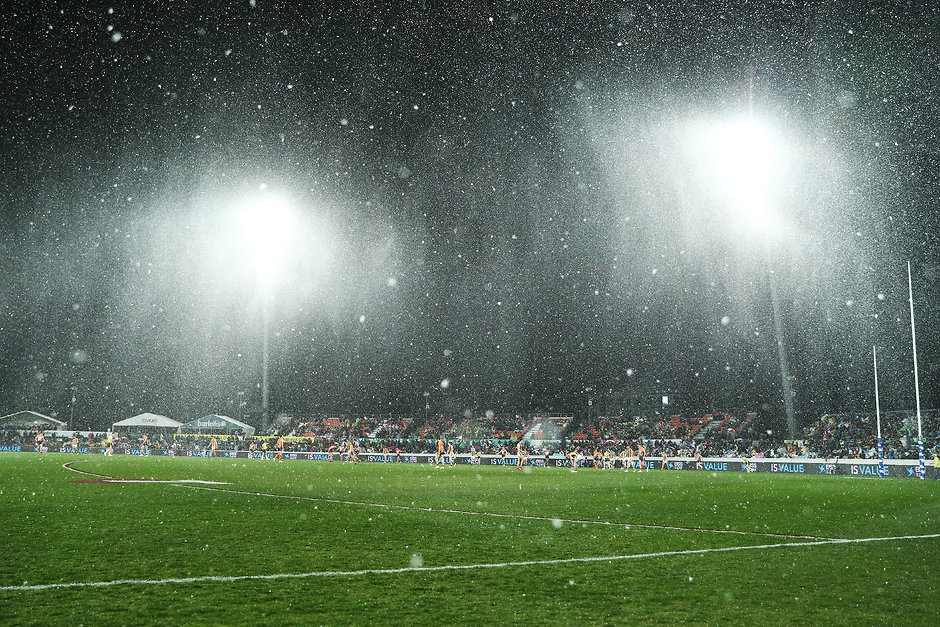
746, 158
266, 226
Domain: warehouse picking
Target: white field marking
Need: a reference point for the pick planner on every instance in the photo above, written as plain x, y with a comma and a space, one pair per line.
517, 516
108, 479
173, 481
68, 466
426, 569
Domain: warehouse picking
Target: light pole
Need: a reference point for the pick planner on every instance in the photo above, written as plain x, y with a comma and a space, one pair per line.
72, 409
266, 225
265, 357
785, 381
745, 158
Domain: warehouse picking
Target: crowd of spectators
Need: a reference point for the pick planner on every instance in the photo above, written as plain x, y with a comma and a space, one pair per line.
718, 426
333, 427
846, 436
469, 427
856, 435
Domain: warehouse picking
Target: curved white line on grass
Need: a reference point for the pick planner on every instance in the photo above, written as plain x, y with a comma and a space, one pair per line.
109, 479
68, 466
173, 481
517, 516
428, 569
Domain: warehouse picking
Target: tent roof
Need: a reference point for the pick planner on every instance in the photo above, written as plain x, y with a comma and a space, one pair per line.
148, 420
29, 419
217, 421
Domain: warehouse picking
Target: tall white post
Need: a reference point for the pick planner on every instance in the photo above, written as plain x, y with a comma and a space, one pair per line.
921, 467
881, 451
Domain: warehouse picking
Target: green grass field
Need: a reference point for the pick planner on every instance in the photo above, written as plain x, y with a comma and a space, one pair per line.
301, 542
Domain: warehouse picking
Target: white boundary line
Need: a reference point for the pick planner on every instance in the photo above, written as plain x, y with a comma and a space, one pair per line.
426, 569
109, 479
515, 516
180, 483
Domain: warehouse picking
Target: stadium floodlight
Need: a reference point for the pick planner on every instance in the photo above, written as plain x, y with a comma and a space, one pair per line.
745, 156
267, 226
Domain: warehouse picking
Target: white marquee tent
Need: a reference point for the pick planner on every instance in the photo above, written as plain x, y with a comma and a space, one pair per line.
30, 419
147, 421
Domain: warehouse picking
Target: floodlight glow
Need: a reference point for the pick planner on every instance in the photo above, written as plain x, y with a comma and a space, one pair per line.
267, 226
745, 157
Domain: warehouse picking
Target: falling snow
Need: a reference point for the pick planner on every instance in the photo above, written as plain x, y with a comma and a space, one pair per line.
553, 211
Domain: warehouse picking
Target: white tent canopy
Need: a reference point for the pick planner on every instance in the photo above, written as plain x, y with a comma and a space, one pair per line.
29, 419
148, 421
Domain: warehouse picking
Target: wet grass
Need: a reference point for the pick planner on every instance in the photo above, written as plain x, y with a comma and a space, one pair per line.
57, 531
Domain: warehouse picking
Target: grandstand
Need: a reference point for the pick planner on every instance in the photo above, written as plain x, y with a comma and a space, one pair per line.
855, 435
471, 427
675, 427
718, 434
546, 428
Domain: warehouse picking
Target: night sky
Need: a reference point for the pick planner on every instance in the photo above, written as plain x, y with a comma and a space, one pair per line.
510, 206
